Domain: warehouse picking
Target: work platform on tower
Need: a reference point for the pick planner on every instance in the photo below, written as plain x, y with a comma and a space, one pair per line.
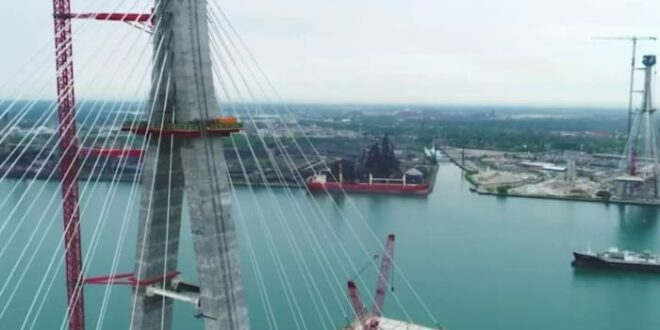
221, 126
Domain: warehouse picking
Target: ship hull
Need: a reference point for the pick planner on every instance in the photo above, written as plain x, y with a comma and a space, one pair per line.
375, 188
591, 261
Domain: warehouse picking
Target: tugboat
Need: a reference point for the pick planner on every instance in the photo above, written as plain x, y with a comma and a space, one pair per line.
616, 259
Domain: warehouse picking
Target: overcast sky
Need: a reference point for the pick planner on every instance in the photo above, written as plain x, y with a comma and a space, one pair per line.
408, 51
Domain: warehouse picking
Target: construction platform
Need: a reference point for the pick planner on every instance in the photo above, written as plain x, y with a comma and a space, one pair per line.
221, 126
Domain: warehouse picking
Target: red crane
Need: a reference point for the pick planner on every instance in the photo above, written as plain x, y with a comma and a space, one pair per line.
370, 321
69, 163
385, 266
142, 21
117, 17
69, 148
356, 301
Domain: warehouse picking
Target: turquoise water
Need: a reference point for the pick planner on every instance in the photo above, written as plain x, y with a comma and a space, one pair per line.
477, 262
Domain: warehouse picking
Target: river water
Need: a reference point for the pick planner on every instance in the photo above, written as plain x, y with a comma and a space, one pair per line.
476, 262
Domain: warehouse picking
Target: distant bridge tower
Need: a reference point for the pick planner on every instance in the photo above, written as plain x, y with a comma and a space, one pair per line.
174, 164
640, 159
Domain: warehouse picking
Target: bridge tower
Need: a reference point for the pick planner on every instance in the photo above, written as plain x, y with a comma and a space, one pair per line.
640, 159
174, 164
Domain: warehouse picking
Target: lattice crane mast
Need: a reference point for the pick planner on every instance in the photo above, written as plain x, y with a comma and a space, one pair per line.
69, 146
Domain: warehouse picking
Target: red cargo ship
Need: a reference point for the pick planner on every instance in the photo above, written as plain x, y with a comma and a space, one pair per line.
378, 171
318, 183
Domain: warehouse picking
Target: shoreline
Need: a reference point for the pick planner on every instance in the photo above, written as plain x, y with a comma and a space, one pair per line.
481, 191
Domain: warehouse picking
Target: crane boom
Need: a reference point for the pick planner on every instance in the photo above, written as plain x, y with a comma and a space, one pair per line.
374, 320
356, 301
119, 17
385, 267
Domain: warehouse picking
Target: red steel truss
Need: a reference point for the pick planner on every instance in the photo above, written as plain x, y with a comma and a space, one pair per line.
69, 147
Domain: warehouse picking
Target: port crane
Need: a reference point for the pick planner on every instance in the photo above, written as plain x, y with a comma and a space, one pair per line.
634, 40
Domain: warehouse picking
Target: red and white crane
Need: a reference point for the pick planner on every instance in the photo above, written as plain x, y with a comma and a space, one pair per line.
371, 321
70, 149
374, 320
